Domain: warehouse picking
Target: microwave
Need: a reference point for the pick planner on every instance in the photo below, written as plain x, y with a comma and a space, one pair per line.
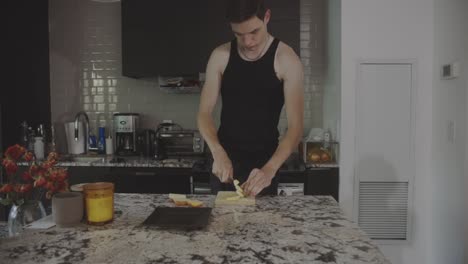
181, 142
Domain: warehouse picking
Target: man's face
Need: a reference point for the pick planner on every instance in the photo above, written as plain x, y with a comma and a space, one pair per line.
251, 33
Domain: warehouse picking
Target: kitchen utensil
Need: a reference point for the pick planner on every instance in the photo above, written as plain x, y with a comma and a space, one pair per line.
24, 135
39, 148
222, 199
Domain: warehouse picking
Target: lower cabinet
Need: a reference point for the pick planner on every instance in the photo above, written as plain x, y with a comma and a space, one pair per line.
317, 181
151, 180
136, 180
322, 181
87, 174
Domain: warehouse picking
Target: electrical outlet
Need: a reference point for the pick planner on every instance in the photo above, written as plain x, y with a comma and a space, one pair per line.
450, 71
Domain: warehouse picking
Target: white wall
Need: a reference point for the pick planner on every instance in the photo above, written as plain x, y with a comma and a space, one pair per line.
465, 67
332, 81
466, 160
397, 29
448, 157
466, 151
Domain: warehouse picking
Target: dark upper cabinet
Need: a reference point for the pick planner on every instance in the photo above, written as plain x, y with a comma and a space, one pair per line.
177, 36
25, 93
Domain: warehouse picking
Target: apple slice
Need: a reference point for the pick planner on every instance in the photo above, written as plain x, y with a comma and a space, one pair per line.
239, 190
194, 203
174, 196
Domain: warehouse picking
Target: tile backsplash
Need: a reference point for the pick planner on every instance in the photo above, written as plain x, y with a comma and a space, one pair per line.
85, 69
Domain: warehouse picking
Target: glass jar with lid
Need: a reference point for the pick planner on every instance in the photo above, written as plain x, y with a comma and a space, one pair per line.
99, 200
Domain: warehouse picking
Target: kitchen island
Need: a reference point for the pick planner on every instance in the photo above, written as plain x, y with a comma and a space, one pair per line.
293, 229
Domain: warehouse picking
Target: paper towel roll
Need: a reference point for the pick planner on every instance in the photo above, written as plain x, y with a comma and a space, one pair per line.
75, 147
109, 146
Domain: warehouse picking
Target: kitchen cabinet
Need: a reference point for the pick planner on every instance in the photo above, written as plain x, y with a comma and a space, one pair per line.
25, 83
151, 180
322, 181
136, 180
152, 46
25, 86
87, 174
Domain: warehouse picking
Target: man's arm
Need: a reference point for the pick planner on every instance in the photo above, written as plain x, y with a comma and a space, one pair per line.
222, 166
291, 71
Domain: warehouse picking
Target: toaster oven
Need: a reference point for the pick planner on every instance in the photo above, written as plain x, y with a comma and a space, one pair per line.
178, 143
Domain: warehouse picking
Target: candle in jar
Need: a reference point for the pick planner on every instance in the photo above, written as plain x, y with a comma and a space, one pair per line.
100, 209
99, 202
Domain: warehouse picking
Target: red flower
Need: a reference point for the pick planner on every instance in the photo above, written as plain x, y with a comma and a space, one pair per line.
10, 166
27, 176
15, 152
61, 186
24, 188
28, 156
61, 175
6, 188
38, 171
52, 157
39, 175
41, 181
17, 187
47, 165
50, 186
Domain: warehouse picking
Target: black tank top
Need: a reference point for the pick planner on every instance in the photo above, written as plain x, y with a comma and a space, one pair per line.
252, 99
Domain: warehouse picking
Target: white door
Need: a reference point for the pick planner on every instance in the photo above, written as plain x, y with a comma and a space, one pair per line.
384, 163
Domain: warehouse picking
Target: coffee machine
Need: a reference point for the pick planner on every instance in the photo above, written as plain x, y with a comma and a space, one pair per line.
125, 133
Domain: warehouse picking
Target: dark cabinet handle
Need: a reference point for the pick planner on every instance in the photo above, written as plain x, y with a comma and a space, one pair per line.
145, 173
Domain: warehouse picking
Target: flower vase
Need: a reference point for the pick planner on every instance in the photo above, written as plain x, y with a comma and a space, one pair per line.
21, 215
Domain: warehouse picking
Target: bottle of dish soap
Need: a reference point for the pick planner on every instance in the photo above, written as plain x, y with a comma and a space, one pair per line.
102, 141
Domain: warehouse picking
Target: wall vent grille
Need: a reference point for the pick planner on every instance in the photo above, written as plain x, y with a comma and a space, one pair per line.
383, 209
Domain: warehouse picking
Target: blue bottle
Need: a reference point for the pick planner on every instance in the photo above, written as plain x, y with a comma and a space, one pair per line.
101, 144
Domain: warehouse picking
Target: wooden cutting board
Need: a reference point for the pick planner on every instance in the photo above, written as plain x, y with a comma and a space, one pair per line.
221, 199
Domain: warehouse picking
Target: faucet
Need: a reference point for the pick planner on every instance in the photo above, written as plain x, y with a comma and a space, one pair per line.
86, 132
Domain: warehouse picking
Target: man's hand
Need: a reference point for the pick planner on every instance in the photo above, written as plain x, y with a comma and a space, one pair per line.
222, 166
258, 180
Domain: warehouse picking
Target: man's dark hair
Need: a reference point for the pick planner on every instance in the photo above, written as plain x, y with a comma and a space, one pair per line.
241, 10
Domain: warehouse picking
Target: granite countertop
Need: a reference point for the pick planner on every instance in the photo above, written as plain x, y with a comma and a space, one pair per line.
291, 165
301, 229
114, 161
310, 165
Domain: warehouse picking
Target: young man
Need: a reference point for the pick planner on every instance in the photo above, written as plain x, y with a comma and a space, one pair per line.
255, 74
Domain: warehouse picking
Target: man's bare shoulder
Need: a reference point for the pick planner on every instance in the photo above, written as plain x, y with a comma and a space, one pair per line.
220, 56
286, 60
222, 51
286, 54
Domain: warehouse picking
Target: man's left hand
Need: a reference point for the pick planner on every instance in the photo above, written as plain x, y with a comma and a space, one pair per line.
258, 180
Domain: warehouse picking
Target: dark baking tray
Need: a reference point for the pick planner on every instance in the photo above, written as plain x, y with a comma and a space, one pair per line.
179, 217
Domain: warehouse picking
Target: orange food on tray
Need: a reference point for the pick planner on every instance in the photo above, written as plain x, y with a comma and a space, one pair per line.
181, 200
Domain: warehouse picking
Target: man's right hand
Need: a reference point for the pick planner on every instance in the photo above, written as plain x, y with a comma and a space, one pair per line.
222, 166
